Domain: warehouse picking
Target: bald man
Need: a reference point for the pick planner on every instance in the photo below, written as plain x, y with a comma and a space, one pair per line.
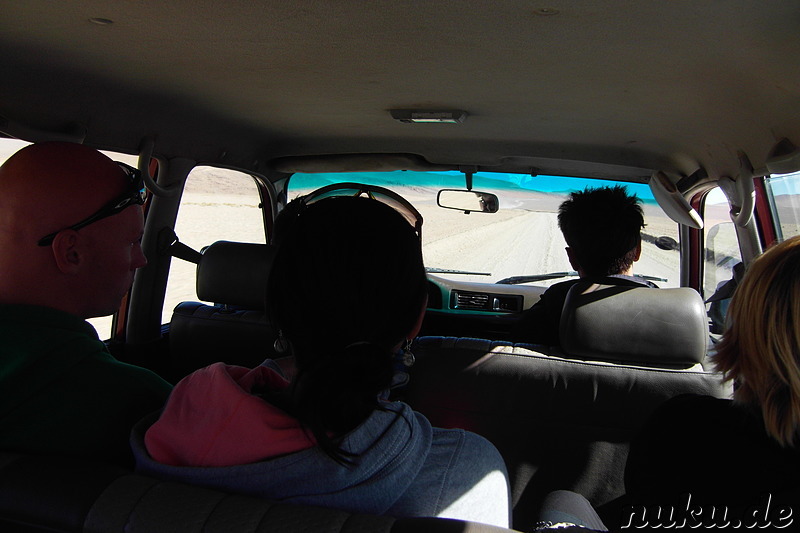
71, 224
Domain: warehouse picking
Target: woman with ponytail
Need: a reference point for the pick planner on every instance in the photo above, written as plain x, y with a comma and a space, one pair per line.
348, 291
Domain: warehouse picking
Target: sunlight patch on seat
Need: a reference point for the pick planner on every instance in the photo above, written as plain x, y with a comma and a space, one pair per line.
487, 501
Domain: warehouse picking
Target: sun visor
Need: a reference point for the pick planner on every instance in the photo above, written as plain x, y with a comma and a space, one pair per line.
784, 158
672, 201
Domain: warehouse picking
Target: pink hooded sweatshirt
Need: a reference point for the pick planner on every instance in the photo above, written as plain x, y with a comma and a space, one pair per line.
212, 419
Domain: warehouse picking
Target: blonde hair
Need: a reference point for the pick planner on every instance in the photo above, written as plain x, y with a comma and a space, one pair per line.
760, 349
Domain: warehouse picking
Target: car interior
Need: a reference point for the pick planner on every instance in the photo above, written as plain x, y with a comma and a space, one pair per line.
232, 109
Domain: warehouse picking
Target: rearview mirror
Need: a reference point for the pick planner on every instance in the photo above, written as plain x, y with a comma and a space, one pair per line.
468, 201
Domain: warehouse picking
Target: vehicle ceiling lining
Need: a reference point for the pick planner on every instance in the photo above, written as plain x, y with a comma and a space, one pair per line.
671, 86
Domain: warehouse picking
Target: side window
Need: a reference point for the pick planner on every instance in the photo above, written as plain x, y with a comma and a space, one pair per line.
217, 204
783, 192
722, 256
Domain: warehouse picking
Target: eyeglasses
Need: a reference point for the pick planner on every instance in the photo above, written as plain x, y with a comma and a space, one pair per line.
135, 194
390, 198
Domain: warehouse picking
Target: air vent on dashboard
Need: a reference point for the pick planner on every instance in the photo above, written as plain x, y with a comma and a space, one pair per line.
470, 300
481, 301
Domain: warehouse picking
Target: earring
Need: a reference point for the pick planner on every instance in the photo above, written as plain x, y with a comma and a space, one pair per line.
281, 344
407, 358
403, 360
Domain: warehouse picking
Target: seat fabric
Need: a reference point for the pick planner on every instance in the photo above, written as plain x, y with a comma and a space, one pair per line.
666, 328
559, 423
235, 329
68, 495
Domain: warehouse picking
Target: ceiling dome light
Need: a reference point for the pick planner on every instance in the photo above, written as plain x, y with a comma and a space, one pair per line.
101, 21
440, 116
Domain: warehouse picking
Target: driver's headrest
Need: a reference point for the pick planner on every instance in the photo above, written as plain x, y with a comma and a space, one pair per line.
234, 273
634, 325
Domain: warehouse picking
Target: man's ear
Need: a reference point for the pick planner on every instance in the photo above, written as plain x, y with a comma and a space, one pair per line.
67, 252
572, 260
638, 252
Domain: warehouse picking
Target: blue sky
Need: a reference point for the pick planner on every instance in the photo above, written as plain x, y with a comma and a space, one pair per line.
489, 181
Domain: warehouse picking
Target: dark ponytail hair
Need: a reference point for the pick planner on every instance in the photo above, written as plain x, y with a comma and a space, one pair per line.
346, 288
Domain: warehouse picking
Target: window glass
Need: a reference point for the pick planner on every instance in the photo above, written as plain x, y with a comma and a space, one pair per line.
217, 204
521, 239
783, 192
9, 147
721, 256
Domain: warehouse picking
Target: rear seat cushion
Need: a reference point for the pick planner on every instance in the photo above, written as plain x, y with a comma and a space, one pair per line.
559, 423
53, 493
66, 494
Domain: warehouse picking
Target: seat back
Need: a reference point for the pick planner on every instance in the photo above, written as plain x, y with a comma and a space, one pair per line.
56, 494
559, 423
235, 329
665, 328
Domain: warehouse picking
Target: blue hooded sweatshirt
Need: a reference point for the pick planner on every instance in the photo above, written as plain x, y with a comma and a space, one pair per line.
214, 433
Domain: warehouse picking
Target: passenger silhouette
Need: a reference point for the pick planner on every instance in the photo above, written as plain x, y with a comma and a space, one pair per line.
70, 232
348, 291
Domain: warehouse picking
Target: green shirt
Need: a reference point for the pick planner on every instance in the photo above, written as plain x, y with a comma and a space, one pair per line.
61, 391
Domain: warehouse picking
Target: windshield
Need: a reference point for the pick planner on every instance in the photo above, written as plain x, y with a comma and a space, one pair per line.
521, 239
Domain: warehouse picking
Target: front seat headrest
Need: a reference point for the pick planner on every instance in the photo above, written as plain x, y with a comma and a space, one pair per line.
634, 325
235, 274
